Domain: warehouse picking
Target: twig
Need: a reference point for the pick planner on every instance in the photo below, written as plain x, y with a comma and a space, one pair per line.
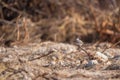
2, 36
14, 9
26, 35
111, 46
115, 44
42, 56
6, 22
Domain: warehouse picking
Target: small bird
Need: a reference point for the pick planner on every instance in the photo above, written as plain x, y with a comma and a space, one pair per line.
79, 42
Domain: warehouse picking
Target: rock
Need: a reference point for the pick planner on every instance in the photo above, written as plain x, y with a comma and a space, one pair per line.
91, 63
100, 56
117, 57
2, 50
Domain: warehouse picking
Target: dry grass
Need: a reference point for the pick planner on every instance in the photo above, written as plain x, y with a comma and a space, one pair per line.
58, 21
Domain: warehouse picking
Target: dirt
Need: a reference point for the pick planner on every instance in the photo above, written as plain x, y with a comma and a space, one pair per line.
58, 61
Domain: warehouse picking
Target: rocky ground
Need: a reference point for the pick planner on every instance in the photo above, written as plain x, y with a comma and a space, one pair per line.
37, 40
60, 61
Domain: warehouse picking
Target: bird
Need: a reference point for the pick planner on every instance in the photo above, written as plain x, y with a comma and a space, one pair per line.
79, 42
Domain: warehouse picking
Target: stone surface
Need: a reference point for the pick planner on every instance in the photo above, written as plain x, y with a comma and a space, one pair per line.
55, 61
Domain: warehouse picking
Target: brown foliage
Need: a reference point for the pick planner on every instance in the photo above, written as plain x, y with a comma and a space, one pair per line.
60, 20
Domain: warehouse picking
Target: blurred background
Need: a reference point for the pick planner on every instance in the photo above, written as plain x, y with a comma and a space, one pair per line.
59, 20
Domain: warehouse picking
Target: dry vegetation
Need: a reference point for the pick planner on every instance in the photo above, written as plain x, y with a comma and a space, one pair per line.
59, 20
25, 25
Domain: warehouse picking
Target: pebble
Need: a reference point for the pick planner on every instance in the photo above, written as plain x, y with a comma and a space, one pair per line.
91, 63
101, 56
2, 50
